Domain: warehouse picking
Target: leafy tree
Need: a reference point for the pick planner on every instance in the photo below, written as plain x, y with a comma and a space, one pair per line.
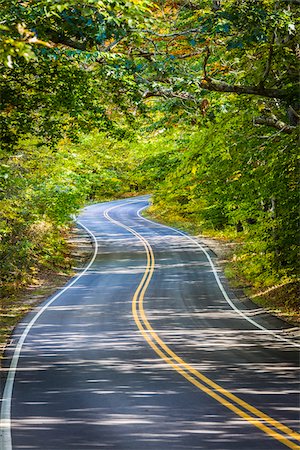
213, 88
57, 74
242, 47
188, 50
232, 179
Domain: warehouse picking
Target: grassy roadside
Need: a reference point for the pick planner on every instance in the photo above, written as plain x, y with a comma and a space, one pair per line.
20, 300
15, 306
281, 300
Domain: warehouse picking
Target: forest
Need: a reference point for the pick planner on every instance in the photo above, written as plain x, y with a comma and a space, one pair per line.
193, 101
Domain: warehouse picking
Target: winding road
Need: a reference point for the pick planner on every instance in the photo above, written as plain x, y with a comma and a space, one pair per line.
148, 349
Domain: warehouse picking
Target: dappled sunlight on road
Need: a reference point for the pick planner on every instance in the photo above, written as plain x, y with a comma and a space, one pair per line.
88, 379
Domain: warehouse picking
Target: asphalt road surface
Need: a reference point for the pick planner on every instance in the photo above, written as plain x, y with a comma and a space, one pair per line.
147, 349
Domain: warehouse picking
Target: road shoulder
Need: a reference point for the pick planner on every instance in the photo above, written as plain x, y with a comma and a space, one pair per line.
13, 309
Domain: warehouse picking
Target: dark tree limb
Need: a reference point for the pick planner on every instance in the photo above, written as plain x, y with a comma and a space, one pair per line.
293, 2
58, 38
215, 86
216, 6
269, 61
221, 86
61, 39
205, 62
293, 115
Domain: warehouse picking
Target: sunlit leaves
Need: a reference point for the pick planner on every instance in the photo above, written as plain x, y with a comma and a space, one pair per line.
71, 67
233, 178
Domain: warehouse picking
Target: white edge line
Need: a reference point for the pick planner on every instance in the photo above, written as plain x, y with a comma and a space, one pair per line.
5, 425
220, 285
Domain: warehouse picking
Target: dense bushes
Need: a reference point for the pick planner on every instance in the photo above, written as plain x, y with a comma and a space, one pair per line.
41, 187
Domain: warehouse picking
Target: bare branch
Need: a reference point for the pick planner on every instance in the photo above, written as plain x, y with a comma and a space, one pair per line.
155, 90
275, 123
168, 93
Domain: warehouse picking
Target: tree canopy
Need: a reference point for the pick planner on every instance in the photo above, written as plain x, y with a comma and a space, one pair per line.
171, 50
196, 100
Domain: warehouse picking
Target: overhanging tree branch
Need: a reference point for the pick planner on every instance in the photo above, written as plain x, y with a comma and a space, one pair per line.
151, 56
171, 35
160, 91
58, 38
220, 86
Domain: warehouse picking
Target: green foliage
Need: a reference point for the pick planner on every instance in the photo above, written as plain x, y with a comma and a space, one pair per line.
40, 187
57, 82
232, 178
104, 99
249, 48
58, 78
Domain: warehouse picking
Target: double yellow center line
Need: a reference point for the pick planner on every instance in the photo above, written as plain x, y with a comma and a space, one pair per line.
243, 409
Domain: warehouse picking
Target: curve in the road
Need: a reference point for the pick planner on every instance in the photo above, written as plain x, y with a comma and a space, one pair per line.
226, 398
265, 423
